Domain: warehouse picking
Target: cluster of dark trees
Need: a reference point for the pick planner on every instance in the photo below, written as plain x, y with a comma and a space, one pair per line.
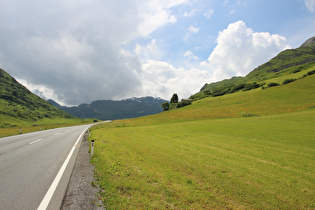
220, 91
174, 103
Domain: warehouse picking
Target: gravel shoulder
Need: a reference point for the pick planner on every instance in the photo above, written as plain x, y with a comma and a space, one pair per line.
80, 193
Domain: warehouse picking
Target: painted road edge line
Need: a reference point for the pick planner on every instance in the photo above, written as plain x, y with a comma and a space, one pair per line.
36, 141
44, 204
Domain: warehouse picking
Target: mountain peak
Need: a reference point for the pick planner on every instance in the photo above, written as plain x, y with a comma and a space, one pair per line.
309, 43
54, 103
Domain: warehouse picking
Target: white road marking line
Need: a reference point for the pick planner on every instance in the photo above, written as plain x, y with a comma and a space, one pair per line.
36, 141
56, 134
44, 204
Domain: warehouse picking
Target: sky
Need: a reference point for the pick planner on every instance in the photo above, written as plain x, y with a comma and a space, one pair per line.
79, 51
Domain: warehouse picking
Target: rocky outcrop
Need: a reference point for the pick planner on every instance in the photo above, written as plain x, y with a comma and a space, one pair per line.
309, 43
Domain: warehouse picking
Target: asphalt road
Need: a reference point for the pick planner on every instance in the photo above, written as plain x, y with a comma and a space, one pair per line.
29, 164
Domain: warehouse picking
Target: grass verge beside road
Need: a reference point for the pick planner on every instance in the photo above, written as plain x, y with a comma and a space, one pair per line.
27, 127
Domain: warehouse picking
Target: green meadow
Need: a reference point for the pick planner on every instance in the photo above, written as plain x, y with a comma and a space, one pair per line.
247, 150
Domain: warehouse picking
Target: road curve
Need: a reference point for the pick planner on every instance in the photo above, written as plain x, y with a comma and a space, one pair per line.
29, 164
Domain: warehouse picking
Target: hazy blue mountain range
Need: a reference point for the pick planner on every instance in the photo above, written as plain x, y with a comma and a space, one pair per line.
111, 110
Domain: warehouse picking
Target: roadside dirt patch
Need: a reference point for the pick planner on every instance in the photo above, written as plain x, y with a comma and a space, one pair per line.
80, 193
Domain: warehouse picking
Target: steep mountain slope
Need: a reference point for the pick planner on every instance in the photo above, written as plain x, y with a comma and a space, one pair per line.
18, 104
285, 63
303, 57
309, 43
110, 110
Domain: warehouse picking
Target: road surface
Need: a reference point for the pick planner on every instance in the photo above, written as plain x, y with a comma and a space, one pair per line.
30, 163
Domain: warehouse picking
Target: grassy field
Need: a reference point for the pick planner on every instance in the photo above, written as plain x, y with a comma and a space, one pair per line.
248, 150
251, 162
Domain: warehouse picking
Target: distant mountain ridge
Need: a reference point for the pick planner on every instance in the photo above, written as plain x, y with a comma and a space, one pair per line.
112, 110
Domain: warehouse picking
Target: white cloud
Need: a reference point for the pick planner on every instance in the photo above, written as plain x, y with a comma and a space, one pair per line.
40, 90
163, 79
155, 14
188, 54
193, 29
151, 50
191, 13
208, 14
239, 50
310, 4
155, 20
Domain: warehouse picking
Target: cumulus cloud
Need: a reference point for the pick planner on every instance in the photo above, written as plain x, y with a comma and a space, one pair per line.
150, 50
188, 54
239, 50
156, 13
77, 71
208, 14
191, 13
310, 5
191, 30
40, 90
164, 79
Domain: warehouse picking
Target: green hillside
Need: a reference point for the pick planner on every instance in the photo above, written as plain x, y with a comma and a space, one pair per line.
20, 107
285, 63
300, 58
295, 96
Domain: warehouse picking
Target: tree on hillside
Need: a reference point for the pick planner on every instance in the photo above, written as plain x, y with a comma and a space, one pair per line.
166, 106
174, 98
